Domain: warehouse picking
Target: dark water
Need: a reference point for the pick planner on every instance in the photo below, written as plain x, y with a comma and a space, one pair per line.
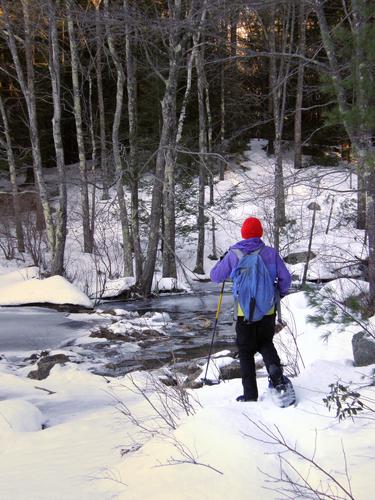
189, 333
36, 328
24, 330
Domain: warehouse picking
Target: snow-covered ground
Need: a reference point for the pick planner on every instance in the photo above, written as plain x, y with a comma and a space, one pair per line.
24, 287
76, 435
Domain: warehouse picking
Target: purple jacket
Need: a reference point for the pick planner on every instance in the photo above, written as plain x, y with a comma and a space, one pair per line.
275, 265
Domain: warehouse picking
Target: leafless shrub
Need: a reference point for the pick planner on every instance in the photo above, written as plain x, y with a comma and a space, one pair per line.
35, 241
293, 481
108, 251
166, 402
187, 456
287, 342
8, 241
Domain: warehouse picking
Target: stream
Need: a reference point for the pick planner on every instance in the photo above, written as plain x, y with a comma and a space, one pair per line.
28, 330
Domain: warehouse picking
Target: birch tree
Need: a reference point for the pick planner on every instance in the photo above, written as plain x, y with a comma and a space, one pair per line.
203, 150
299, 89
281, 31
127, 251
99, 83
74, 58
165, 161
61, 212
131, 84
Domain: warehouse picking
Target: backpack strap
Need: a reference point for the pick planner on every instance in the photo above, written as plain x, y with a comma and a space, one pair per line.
240, 254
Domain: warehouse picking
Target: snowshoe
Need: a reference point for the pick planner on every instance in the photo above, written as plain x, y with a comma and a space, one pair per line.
282, 393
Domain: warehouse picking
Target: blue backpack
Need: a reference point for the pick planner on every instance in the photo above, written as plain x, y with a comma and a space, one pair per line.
253, 288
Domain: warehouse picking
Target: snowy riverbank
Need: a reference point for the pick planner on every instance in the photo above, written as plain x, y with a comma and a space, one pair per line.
78, 435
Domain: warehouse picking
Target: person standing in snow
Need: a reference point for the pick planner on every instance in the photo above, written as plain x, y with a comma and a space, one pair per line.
257, 336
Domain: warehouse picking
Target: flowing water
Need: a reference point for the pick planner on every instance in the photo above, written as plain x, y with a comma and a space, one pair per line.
189, 334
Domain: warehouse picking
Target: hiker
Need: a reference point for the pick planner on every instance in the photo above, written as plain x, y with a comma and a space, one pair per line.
255, 336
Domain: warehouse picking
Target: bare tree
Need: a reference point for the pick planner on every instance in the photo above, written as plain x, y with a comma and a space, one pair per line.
87, 229
165, 160
281, 32
131, 84
299, 89
128, 261
61, 212
203, 149
99, 83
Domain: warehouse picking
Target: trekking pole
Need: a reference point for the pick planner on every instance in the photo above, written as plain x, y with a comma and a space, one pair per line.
204, 379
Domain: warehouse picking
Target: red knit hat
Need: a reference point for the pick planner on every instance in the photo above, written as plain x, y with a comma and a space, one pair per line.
251, 228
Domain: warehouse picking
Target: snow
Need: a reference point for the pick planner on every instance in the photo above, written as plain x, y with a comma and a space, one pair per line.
90, 449
344, 287
217, 361
166, 284
19, 416
113, 288
24, 288
81, 436
18, 276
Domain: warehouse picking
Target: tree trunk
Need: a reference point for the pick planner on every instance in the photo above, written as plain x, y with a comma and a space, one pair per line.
169, 236
279, 76
13, 178
94, 151
189, 71
370, 188
99, 82
214, 249
361, 198
167, 142
127, 251
87, 229
299, 89
133, 142
169, 244
61, 213
182, 115
222, 101
201, 77
169, 117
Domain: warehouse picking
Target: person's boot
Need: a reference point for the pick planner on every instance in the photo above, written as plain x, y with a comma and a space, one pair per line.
281, 387
243, 399
276, 377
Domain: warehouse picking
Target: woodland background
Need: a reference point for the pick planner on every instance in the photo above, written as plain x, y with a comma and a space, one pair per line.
152, 96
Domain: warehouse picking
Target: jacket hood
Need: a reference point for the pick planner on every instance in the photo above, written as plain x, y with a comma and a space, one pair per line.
249, 245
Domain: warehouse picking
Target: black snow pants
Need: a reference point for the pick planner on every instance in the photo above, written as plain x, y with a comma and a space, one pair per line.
252, 338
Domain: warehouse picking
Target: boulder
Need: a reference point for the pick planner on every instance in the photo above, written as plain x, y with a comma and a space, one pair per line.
363, 349
46, 364
231, 371
298, 257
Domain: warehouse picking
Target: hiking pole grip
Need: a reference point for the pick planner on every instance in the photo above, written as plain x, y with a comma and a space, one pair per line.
215, 327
